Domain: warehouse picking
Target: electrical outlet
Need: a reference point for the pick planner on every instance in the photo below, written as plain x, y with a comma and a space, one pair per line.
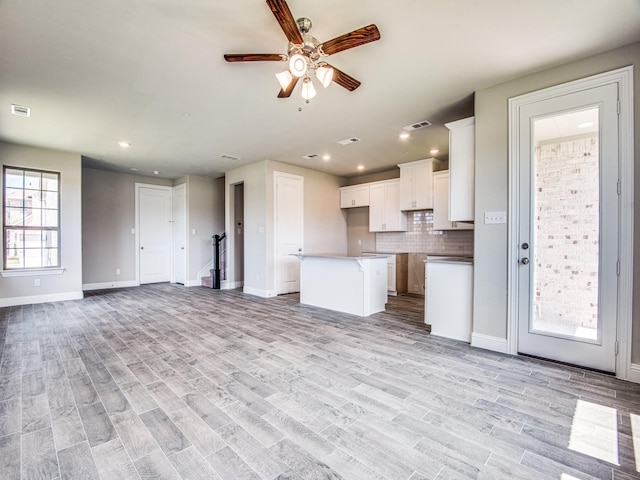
117, 271
36, 282
491, 218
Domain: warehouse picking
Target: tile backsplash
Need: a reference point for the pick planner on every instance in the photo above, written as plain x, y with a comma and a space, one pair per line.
422, 238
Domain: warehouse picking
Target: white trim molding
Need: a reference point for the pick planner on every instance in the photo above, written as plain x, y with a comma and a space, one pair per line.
31, 299
258, 292
487, 342
32, 272
623, 77
634, 373
107, 285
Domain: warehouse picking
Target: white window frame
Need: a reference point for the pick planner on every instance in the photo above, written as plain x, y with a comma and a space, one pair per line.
28, 271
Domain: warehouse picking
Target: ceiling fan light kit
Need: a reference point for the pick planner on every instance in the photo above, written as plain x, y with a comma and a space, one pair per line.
305, 53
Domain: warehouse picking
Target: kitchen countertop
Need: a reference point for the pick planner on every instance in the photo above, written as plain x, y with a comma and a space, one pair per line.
338, 256
449, 259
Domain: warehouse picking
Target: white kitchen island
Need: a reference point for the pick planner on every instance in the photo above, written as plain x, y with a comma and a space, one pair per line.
349, 284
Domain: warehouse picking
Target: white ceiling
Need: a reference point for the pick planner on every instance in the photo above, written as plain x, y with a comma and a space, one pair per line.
98, 72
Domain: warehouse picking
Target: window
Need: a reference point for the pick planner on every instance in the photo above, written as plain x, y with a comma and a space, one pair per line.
31, 212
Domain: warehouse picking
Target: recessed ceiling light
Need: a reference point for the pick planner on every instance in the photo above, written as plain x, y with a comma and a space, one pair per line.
124, 144
326, 157
404, 135
433, 151
186, 114
133, 169
586, 125
156, 172
360, 167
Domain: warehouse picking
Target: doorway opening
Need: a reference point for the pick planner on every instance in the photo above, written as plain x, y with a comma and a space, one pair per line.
238, 234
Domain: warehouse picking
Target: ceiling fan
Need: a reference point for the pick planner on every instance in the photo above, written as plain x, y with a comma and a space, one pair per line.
305, 54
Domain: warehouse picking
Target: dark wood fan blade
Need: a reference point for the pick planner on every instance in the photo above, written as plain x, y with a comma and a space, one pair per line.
287, 93
281, 11
353, 39
254, 57
344, 80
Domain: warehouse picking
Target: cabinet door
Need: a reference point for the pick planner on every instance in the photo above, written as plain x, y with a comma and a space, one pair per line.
391, 277
357, 196
361, 196
461, 169
423, 186
407, 200
376, 208
395, 220
441, 201
347, 198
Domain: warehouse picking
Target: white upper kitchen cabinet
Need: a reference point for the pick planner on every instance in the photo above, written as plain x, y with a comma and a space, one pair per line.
416, 190
384, 207
354, 196
441, 196
461, 169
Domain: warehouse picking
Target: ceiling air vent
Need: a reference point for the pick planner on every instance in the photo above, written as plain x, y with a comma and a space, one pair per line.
349, 141
417, 125
20, 110
229, 157
311, 156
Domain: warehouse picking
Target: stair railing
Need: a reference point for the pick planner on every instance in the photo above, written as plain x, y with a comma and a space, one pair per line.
215, 273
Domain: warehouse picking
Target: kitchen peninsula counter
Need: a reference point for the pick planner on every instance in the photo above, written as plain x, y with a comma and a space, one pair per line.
349, 284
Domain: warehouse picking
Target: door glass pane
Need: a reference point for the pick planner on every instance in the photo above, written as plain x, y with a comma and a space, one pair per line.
566, 225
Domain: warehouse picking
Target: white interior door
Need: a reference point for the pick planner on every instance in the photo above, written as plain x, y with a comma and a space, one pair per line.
180, 234
569, 227
289, 231
154, 233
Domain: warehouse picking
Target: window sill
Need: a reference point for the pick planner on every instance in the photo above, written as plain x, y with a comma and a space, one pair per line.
32, 272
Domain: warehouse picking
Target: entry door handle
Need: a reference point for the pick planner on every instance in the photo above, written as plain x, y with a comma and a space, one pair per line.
525, 261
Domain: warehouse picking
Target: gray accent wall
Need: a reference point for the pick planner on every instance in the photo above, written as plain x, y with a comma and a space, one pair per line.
491, 114
108, 212
68, 285
108, 217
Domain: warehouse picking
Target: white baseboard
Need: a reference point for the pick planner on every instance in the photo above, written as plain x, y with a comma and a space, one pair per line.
229, 285
495, 344
258, 292
193, 283
634, 373
28, 300
107, 285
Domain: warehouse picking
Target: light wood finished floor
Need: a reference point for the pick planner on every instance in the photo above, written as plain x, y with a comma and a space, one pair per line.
162, 381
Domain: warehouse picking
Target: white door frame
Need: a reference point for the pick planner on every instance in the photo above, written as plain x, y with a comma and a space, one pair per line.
185, 237
624, 78
138, 186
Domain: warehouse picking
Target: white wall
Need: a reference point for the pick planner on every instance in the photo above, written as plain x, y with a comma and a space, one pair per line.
325, 227
491, 114
68, 285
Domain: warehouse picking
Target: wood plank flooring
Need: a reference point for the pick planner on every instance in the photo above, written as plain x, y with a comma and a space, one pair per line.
163, 381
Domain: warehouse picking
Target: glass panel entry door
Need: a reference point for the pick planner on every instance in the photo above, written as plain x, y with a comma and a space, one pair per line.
568, 231
566, 225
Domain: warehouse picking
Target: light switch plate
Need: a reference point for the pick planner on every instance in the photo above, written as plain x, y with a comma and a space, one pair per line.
495, 217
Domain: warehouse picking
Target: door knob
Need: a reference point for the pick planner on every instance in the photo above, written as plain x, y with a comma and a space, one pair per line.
141, 248
525, 246
525, 261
